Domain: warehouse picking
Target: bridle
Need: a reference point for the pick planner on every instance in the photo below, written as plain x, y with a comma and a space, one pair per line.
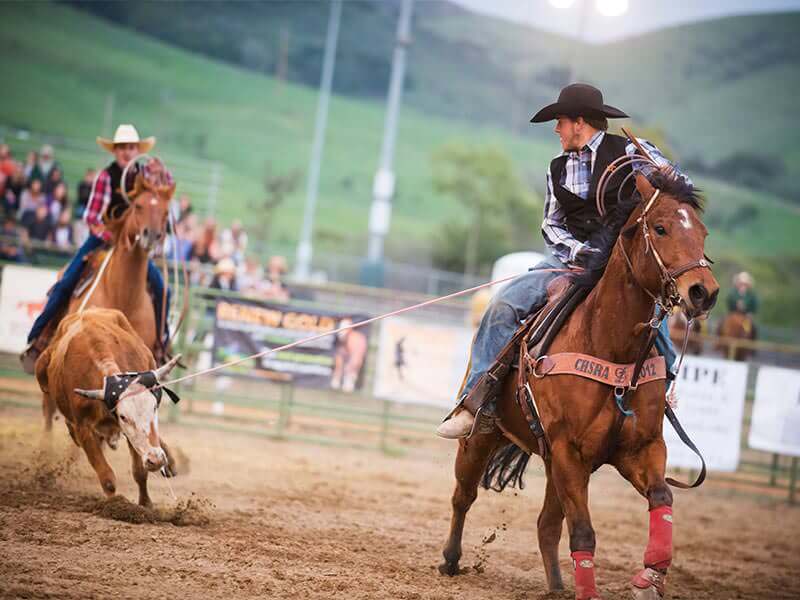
669, 297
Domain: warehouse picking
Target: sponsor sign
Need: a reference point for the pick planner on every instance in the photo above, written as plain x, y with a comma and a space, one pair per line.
245, 327
22, 297
775, 426
711, 403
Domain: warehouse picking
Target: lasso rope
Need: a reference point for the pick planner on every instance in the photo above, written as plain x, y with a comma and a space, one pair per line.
364, 323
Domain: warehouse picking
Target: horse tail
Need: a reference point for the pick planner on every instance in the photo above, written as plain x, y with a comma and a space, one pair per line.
506, 467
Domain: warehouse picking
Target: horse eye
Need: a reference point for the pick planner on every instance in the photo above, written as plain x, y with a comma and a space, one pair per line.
123, 418
660, 230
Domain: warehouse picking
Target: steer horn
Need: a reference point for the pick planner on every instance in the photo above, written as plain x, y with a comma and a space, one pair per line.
164, 370
93, 394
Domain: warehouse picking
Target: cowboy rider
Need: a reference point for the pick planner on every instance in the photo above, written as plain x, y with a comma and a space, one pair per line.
742, 298
570, 218
105, 199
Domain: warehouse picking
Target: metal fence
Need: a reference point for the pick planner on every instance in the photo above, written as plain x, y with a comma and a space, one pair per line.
335, 418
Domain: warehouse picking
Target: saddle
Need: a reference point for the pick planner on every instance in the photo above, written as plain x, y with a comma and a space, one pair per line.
527, 352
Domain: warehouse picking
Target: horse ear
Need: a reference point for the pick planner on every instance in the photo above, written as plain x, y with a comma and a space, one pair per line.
645, 187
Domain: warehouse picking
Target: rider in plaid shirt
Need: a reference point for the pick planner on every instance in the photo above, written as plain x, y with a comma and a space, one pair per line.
105, 199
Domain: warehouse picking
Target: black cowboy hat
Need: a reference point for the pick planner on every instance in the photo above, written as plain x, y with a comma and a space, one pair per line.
578, 99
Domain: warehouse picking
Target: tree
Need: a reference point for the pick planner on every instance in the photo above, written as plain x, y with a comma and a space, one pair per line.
501, 213
276, 189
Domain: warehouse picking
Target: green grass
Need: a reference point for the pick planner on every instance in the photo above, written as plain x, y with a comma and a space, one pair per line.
61, 63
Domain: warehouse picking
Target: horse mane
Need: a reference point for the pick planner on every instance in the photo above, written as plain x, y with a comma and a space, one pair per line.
670, 183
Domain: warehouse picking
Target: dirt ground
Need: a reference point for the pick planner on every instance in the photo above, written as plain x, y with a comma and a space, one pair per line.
257, 518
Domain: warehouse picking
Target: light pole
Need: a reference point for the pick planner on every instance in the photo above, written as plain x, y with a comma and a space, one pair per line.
383, 185
304, 246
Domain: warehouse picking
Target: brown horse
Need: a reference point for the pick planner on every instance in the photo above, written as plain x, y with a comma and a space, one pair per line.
579, 415
740, 326
135, 234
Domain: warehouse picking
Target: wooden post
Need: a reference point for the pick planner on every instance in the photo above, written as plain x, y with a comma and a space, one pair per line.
793, 481
284, 409
773, 474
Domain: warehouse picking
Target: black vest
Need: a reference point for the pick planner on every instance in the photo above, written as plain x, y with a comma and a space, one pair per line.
116, 207
582, 218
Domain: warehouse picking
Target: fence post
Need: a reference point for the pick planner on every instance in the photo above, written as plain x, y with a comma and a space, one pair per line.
773, 474
793, 480
174, 412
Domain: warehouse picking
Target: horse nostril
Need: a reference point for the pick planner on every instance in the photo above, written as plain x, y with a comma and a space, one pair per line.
712, 300
699, 295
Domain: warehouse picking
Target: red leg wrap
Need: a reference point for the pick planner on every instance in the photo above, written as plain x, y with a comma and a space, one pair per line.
659, 548
585, 587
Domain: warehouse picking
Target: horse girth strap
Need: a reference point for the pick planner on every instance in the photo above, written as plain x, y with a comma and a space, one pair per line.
597, 369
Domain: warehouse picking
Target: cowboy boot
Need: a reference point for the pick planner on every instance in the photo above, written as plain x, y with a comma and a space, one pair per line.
459, 425
29, 356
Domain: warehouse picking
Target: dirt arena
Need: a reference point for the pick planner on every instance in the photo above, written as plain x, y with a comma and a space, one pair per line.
257, 518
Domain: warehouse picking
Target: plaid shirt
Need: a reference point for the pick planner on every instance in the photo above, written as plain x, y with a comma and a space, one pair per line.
577, 178
100, 198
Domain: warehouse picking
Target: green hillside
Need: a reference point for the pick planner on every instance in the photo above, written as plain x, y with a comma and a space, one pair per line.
64, 63
719, 88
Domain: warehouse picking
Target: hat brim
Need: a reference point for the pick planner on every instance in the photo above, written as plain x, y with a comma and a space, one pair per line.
145, 145
552, 111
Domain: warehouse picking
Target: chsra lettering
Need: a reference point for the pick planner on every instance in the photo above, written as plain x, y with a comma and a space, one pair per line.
591, 368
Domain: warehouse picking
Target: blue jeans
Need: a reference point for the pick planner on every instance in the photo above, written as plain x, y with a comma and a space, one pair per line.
512, 305
62, 290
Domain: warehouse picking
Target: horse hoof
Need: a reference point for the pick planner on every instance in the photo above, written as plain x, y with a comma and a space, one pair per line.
645, 594
449, 568
649, 584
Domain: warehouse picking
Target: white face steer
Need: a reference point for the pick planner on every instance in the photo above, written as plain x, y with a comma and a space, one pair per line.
137, 412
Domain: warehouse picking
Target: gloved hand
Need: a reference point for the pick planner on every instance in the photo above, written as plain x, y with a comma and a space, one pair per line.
584, 255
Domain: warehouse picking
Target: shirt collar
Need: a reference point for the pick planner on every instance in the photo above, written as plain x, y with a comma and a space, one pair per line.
593, 144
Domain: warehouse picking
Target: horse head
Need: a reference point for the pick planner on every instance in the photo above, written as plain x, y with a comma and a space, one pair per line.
664, 241
145, 221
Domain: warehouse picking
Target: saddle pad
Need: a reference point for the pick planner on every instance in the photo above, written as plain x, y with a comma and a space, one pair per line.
583, 365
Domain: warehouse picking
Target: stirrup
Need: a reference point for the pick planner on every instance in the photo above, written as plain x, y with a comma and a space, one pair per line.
485, 419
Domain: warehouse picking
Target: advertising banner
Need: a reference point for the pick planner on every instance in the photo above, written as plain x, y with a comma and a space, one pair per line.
22, 297
245, 327
711, 396
775, 426
421, 362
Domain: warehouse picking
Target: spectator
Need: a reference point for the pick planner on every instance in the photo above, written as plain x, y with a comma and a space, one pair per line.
251, 278
84, 191
44, 167
225, 276
11, 241
55, 177
41, 228
8, 165
30, 201
234, 242
275, 288
30, 164
62, 234
14, 186
58, 202
206, 248
184, 208
179, 245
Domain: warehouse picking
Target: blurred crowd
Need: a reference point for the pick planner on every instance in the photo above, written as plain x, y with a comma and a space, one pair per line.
37, 210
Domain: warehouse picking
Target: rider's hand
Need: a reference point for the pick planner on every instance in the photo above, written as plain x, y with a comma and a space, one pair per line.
585, 254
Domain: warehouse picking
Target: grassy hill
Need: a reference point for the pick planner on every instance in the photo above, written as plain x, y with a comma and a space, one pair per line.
718, 88
63, 62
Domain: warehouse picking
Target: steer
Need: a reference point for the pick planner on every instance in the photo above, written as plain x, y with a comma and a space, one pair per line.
99, 374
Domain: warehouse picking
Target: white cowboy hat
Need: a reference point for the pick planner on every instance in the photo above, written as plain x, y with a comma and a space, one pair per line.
743, 277
226, 265
127, 134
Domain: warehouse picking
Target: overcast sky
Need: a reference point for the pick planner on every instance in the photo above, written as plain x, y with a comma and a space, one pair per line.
642, 15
